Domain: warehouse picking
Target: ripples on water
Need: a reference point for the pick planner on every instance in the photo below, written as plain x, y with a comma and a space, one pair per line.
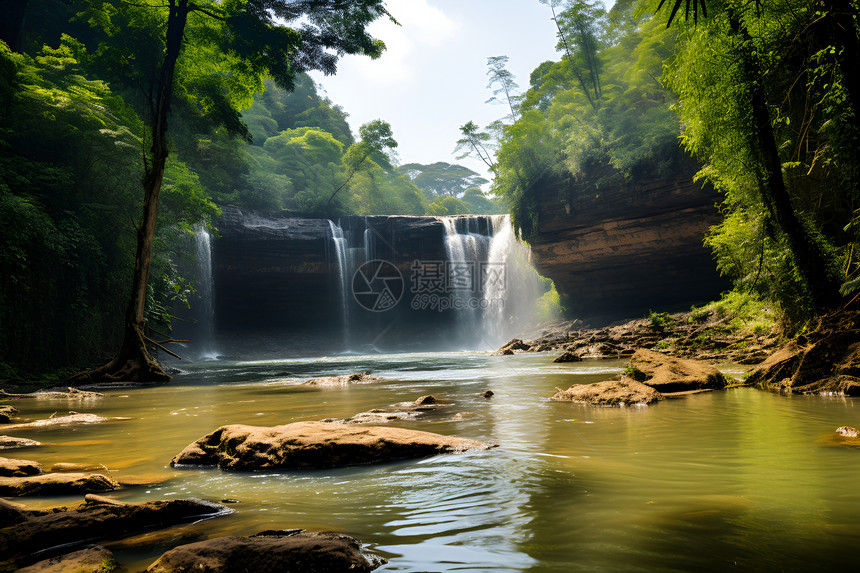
731, 480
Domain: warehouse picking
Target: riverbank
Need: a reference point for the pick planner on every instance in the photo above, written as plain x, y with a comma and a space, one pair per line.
701, 334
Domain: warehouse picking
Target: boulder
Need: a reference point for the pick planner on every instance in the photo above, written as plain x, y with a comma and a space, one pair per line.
270, 552
568, 356
11, 443
667, 374
7, 413
39, 530
55, 484
344, 380
92, 559
624, 392
19, 468
315, 445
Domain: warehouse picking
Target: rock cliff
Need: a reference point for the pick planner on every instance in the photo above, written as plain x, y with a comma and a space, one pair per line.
617, 251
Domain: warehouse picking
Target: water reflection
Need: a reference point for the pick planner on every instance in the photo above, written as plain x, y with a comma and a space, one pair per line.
738, 479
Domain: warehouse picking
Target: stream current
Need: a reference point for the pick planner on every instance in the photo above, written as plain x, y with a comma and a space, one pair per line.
739, 479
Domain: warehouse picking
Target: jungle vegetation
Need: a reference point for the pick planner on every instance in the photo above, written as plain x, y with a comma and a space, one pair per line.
762, 97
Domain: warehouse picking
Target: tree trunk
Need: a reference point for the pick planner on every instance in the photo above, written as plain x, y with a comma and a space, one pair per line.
134, 361
809, 258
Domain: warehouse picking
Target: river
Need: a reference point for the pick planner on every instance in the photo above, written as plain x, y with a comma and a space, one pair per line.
738, 479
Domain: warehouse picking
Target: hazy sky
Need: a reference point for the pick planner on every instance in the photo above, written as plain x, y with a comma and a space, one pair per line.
433, 77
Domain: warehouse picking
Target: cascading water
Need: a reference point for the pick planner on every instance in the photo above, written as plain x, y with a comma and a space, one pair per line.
512, 286
341, 263
467, 251
206, 294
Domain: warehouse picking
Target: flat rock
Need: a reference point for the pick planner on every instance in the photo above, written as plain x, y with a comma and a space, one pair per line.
11, 443
270, 552
99, 518
402, 411
7, 412
72, 419
343, 380
668, 374
19, 468
55, 484
93, 559
568, 356
56, 394
624, 392
315, 445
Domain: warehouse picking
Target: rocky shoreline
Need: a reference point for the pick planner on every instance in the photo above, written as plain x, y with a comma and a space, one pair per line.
700, 335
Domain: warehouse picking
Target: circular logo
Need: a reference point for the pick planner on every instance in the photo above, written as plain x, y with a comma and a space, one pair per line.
377, 286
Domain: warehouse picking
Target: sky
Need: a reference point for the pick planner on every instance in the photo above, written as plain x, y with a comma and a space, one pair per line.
432, 77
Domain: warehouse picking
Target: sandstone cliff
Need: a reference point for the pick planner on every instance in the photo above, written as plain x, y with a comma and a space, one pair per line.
618, 251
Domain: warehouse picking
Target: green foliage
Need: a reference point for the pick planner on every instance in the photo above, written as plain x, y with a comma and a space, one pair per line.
634, 373
68, 181
661, 321
710, 72
598, 116
549, 308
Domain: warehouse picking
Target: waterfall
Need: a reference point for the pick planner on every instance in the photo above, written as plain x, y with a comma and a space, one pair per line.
206, 294
513, 287
343, 276
467, 250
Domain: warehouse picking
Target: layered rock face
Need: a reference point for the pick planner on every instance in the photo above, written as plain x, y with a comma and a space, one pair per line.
619, 251
274, 273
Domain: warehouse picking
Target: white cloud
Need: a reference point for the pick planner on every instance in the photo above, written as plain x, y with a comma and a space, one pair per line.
422, 27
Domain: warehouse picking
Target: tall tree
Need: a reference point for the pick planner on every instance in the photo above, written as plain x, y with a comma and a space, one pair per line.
248, 39
502, 82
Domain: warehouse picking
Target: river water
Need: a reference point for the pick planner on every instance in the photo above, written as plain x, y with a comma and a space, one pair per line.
739, 479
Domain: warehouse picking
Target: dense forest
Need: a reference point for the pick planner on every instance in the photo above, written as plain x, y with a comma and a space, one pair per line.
757, 99
74, 111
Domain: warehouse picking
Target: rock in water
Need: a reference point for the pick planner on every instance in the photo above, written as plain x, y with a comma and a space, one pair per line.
72, 419
568, 356
344, 380
7, 413
55, 484
33, 531
11, 443
270, 552
667, 374
508, 349
622, 392
848, 432
19, 468
315, 445
93, 559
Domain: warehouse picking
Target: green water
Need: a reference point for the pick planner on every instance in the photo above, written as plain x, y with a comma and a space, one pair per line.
739, 479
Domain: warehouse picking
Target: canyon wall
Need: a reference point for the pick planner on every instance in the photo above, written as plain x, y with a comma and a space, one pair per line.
619, 251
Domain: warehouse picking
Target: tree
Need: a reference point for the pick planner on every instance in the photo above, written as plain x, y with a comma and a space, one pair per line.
376, 137
474, 143
234, 43
502, 82
742, 88
442, 178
